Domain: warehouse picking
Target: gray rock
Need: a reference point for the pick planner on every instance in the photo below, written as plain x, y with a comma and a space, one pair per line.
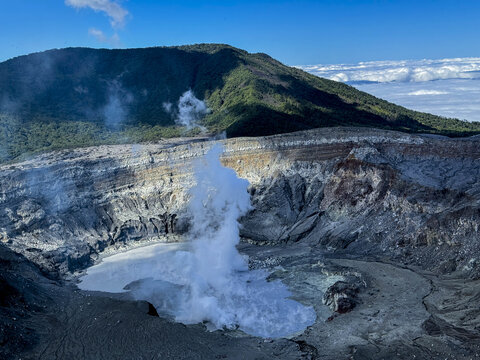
341, 297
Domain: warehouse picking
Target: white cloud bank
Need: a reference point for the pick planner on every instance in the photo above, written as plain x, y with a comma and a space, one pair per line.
112, 9
447, 87
456, 98
399, 71
427, 92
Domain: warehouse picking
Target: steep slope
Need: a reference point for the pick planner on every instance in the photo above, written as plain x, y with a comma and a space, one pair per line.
371, 191
396, 210
80, 96
399, 211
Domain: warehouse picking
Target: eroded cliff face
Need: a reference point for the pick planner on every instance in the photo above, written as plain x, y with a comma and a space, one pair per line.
410, 198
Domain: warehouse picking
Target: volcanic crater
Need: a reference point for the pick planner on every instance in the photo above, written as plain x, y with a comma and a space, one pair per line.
375, 230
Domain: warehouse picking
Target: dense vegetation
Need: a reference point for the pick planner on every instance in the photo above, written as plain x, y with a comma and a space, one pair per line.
58, 98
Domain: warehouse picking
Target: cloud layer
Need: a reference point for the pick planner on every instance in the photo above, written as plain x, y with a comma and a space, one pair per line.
455, 98
399, 71
447, 87
116, 13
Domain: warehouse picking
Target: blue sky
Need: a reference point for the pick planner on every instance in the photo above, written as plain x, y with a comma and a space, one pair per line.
295, 32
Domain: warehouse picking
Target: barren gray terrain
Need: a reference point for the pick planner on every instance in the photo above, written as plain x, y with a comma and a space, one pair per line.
394, 216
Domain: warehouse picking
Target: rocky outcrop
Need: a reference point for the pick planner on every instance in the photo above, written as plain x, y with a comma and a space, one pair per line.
414, 202
410, 198
341, 297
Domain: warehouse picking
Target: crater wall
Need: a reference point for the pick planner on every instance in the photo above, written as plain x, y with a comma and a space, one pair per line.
373, 192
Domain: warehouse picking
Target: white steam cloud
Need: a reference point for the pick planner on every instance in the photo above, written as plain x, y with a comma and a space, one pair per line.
167, 107
49, 189
115, 111
116, 13
189, 111
210, 282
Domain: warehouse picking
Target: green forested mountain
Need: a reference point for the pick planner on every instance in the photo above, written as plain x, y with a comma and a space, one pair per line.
79, 96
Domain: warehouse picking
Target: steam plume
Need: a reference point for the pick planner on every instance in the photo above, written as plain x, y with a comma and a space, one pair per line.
115, 110
190, 110
210, 282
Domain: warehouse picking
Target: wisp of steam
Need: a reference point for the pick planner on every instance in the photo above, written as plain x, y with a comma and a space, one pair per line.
189, 112
207, 279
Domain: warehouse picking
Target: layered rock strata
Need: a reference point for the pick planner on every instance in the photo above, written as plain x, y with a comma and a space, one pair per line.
415, 199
